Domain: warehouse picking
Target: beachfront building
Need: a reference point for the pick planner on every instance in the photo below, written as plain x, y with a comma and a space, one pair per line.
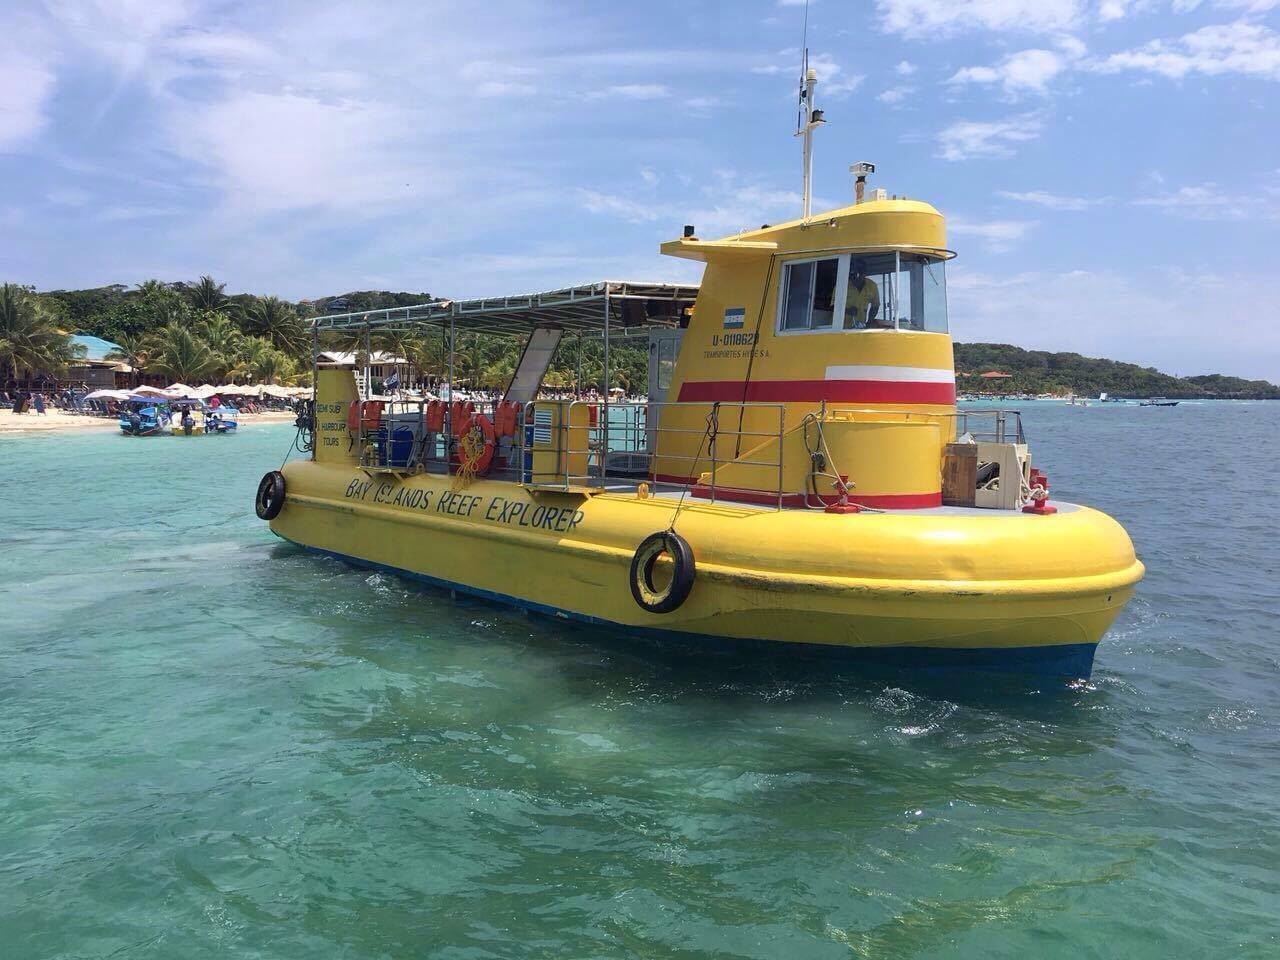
381, 364
92, 368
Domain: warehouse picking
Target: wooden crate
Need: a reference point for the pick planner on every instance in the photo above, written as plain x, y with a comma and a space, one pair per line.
959, 474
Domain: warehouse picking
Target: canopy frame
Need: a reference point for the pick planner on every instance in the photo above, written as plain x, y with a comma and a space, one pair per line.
588, 311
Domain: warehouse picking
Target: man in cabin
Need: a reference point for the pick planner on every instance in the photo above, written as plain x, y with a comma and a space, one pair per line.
862, 299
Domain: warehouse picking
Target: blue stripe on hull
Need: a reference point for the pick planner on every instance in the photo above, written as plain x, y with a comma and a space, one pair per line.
1072, 660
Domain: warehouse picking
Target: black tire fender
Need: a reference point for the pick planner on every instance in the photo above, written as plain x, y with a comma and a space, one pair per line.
669, 598
270, 499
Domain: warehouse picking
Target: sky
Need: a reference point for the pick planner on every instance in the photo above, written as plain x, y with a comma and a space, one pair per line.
1109, 169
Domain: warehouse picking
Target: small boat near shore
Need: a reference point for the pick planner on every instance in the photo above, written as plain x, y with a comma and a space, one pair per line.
1159, 402
142, 415
195, 419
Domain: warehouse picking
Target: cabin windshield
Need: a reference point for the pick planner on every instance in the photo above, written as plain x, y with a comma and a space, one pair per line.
863, 291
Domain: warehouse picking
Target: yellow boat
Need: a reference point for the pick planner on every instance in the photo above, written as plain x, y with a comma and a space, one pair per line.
798, 473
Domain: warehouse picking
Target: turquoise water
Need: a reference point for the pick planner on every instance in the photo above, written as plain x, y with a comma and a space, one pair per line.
212, 745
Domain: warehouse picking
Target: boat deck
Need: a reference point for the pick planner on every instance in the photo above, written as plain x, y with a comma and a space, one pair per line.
670, 491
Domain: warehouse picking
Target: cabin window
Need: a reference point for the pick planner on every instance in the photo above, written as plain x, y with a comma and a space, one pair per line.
891, 290
809, 293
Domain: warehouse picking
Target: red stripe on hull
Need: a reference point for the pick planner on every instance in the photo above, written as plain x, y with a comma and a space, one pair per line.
815, 391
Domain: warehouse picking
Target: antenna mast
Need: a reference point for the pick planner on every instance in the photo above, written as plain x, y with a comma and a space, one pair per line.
808, 118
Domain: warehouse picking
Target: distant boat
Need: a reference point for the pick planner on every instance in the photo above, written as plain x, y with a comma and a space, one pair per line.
143, 416
1160, 402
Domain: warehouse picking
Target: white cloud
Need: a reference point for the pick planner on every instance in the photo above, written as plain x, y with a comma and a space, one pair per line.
1022, 72
833, 80
1244, 48
966, 139
1051, 201
26, 84
922, 19
1109, 10
1208, 201
227, 46
291, 151
489, 79
999, 235
702, 104
69, 197
630, 91
895, 94
1249, 6
137, 212
905, 68
725, 206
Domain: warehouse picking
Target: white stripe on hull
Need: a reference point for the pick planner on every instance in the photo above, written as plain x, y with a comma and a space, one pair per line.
891, 374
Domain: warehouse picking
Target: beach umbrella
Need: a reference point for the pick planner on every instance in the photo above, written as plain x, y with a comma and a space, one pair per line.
151, 392
180, 390
108, 395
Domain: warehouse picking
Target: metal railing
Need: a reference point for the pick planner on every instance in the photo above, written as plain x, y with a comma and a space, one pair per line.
1005, 425
634, 432
585, 448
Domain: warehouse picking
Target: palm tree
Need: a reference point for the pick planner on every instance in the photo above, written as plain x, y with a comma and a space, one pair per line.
154, 288
275, 366
426, 355
223, 337
275, 320
498, 374
182, 355
207, 296
249, 358
260, 361
29, 334
469, 361
135, 350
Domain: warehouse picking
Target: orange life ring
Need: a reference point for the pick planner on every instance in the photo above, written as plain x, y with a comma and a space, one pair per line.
485, 460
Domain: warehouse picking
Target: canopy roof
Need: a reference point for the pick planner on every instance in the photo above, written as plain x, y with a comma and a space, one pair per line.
581, 309
95, 348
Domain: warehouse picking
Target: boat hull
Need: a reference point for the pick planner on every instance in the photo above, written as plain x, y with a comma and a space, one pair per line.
927, 588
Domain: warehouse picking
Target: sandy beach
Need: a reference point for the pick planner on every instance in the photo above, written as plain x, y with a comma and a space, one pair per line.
30, 422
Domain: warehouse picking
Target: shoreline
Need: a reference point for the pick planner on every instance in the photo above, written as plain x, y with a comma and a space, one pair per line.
56, 421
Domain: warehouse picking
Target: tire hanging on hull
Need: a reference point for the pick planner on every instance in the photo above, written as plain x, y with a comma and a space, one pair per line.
270, 499
644, 591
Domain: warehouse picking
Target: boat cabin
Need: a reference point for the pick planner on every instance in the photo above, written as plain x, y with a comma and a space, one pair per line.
811, 367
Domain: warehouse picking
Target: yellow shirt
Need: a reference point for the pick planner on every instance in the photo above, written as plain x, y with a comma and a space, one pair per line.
857, 302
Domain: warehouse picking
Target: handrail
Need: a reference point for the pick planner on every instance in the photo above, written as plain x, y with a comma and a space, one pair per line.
600, 442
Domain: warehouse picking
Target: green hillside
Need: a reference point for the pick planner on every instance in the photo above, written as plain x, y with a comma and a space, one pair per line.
1039, 371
